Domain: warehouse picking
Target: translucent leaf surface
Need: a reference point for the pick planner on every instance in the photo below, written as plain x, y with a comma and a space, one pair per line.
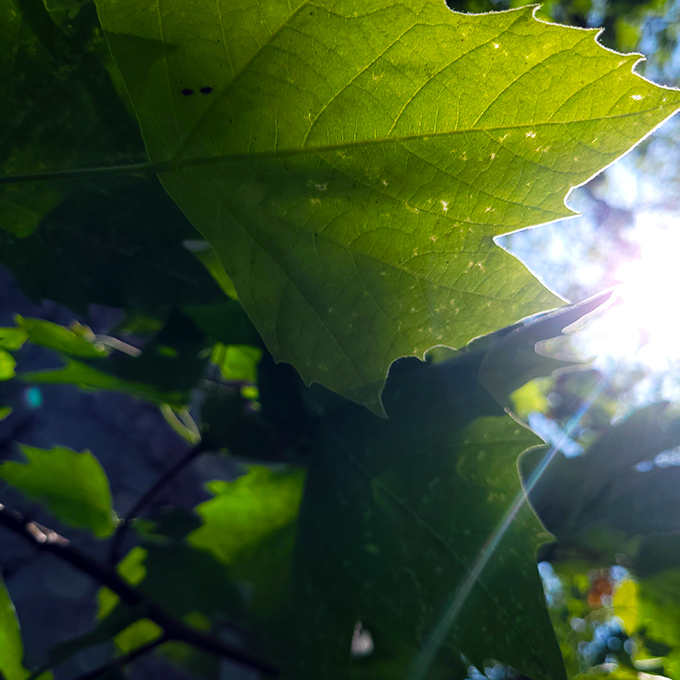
244, 512
237, 362
351, 161
73, 486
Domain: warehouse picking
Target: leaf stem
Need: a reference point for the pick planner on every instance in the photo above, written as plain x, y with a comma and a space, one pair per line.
53, 543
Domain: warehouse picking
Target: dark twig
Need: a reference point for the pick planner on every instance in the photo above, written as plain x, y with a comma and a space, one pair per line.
49, 541
162, 481
123, 660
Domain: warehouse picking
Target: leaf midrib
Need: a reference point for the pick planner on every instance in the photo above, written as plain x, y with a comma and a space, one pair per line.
175, 165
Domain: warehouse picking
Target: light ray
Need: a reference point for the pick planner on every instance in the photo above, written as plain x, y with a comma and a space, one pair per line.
426, 656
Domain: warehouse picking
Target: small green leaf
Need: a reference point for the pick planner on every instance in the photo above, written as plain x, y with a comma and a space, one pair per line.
164, 372
11, 647
246, 511
73, 486
237, 362
77, 341
132, 569
87, 377
7, 365
12, 338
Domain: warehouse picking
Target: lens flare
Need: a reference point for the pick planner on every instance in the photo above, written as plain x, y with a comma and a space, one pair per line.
643, 322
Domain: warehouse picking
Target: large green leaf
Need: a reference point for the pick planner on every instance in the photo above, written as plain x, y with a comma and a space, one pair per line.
73, 486
351, 161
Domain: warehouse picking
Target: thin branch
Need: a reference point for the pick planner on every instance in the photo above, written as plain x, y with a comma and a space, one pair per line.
162, 481
123, 660
50, 542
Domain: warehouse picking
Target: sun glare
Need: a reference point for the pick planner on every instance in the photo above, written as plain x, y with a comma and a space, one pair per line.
643, 323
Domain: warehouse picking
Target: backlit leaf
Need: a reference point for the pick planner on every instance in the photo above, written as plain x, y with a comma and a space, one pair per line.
73, 486
77, 341
7, 365
246, 511
351, 161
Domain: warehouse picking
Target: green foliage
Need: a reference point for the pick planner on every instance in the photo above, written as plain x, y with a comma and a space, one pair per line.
7, 365
404, 137
164, 372
73, 486
237, 362
348, 165
87, 377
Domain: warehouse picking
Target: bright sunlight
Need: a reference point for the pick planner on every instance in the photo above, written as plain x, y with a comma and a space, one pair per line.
643, 322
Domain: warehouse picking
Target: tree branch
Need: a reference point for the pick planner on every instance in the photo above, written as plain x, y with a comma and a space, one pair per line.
163, 480
49, 541
123, 660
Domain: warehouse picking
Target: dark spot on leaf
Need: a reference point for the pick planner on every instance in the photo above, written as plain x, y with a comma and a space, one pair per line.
206, 90
187, 92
